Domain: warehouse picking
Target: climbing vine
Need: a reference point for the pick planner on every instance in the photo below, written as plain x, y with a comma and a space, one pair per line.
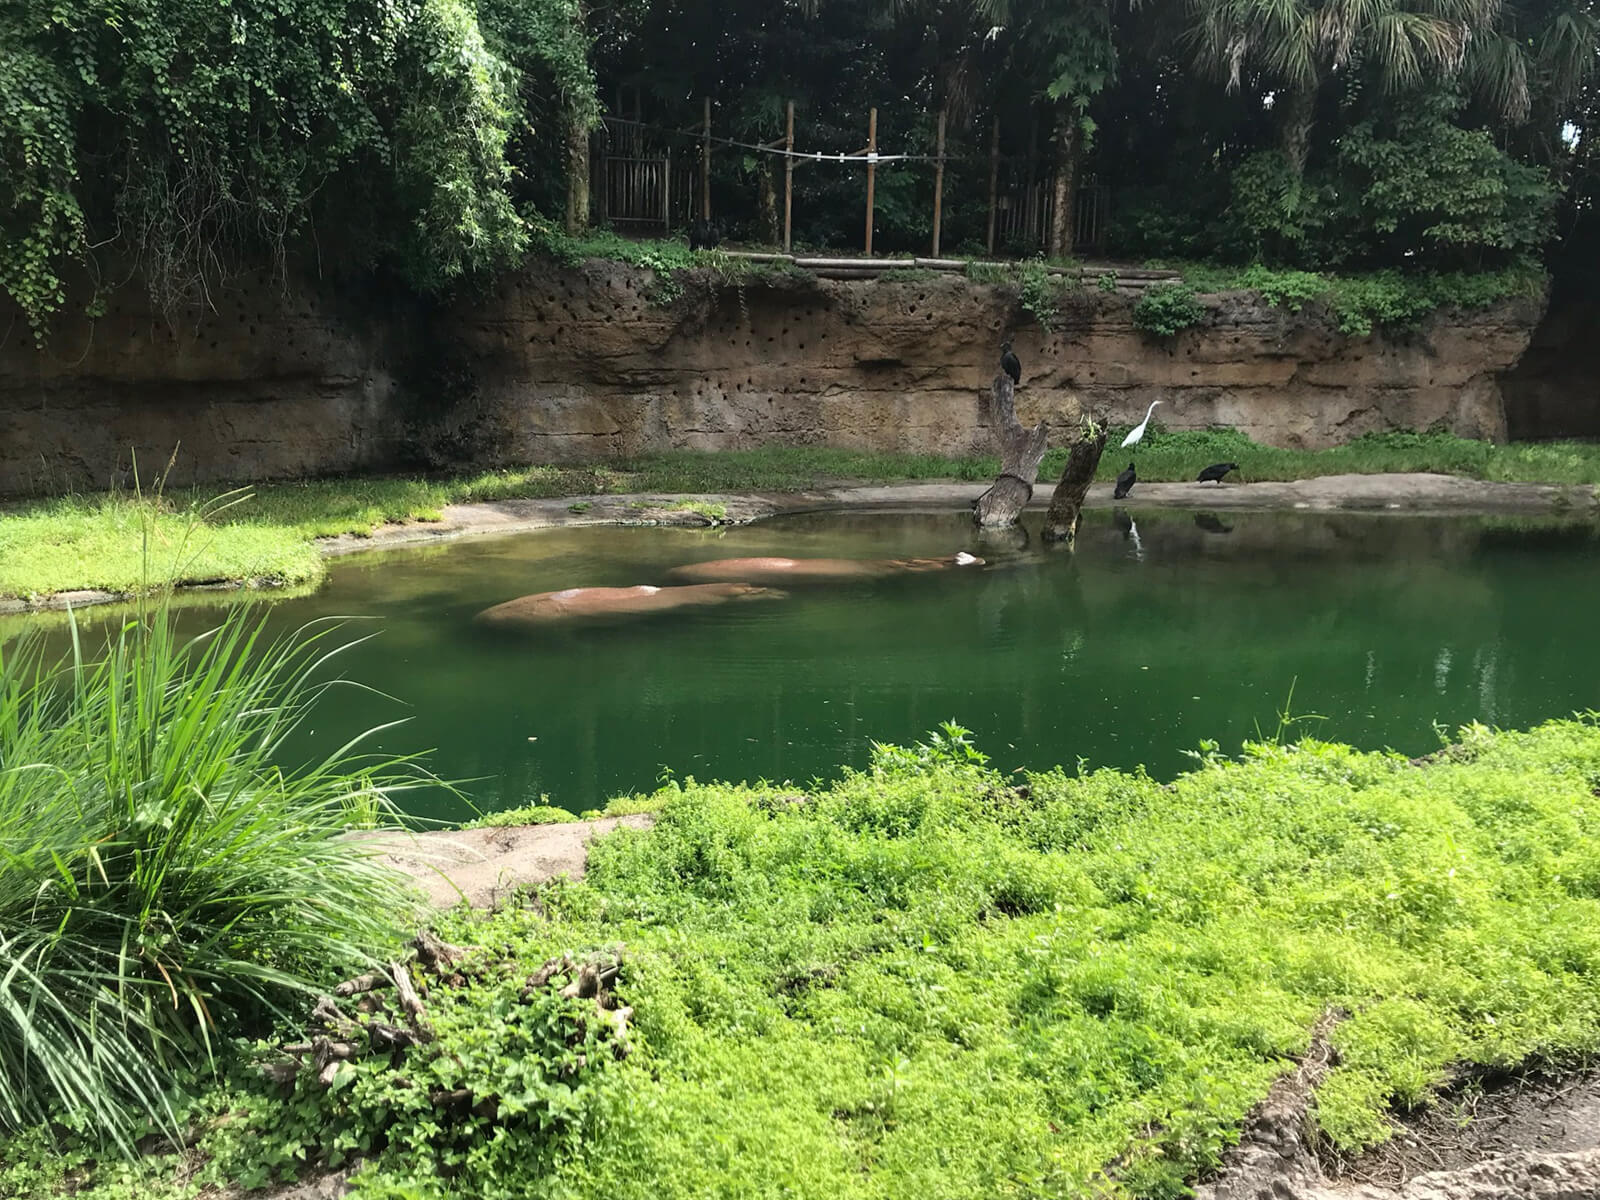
189, 137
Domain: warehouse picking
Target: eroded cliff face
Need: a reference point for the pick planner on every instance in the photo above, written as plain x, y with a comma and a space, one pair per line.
580, 365
1554, 391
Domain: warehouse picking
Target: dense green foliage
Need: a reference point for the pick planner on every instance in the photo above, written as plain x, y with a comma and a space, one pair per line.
1387, 134
164, 886
193, 138
1356, 304
932, 979
94, 541
1168, 308
433, 140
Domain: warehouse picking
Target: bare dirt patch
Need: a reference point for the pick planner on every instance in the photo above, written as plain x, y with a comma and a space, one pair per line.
485, 866
1528, 1137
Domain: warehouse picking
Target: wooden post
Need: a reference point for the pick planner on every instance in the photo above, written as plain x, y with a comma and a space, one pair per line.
938, 184
788, 177
666, 189
872, 170
994, 175
705, 164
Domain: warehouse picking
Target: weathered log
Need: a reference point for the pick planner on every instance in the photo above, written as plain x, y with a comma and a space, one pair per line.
410, 1002
386, 1038
436, 955
1021, 452
585, 985
617, 1019
458, 1098
542, 977
1066, 506
283, 1074
326, 1055
371, 981
326, 1015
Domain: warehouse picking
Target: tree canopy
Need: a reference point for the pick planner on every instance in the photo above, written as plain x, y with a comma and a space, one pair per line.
429, 140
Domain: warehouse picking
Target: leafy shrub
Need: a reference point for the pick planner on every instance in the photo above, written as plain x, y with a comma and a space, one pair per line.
1404, 185
542, 813
1040, 290
1359, 304
1167, 309
510, 1083
163, 884
947, 746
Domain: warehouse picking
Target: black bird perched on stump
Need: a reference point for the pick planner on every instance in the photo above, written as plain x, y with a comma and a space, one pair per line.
1009, 363
1215, 472
1125, 483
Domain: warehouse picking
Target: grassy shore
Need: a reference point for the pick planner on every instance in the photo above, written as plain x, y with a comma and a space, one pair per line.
94, 541
931, 979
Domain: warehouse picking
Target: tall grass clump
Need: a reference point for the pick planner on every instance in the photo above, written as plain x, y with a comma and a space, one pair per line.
164, 884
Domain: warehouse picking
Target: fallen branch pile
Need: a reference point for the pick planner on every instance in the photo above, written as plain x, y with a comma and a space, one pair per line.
390, 1015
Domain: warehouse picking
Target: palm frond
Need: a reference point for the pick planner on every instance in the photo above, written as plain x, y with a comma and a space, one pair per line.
1568, 51
1496, 68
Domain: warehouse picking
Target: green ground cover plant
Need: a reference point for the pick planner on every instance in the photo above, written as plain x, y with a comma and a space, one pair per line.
93, 541
933, 978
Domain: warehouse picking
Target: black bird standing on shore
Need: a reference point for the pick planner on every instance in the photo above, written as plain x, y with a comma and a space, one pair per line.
704, 235
1010, 364
1125, 483
1215, 472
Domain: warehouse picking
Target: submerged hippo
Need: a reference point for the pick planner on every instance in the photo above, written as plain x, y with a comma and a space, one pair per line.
804, 570
573, 603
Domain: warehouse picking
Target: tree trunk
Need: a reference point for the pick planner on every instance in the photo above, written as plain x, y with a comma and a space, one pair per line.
1299, 115
1063, 221
1021, 452
1066, 506
577, 217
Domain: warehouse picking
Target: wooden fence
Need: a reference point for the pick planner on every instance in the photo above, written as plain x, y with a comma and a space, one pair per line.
644, 178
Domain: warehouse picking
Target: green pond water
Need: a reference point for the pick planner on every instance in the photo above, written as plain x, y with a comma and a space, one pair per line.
1166, 628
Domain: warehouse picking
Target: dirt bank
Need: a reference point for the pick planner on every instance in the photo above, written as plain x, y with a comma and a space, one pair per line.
1528, 1137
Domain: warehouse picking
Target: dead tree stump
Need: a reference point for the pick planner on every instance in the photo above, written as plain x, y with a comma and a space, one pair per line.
1066, 506
1021, 452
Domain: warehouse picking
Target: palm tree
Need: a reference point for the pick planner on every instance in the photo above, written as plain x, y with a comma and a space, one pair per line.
1534, 65
1297, 44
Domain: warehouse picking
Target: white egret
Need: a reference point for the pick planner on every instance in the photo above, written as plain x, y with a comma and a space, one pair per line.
1138, 430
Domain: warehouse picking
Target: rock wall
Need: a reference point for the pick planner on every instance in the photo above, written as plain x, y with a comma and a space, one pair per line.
1554, 391
579, 365
269, 385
